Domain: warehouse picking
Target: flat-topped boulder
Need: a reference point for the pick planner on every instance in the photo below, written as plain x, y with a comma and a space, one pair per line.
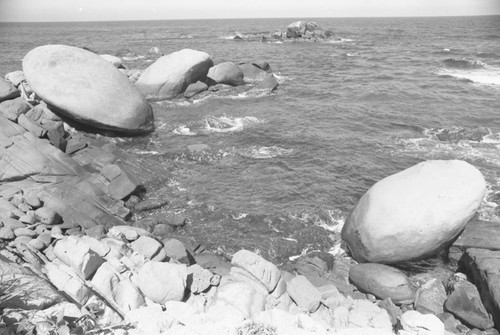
414, 213
170, 75
87, 90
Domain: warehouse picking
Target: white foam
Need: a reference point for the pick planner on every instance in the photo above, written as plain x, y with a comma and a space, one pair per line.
487, 76
265, 152
183, 130
134, 58
145, 152
228, 124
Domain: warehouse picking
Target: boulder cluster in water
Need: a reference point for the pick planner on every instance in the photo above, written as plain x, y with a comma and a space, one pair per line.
66, 202
296, 31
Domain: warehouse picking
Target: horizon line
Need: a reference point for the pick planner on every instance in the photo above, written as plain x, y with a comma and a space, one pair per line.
257, 18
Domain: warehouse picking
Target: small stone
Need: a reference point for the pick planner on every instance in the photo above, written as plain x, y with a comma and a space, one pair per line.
430, 297
56, 231
37, 244
25, 232
423, 324
34, 201
47, 216
40, 229
77, 231
147, 246
305, 295
28, 219
12, 223
175, 249
22, 239
6, 233
45, 238
74, 146
24, 207
98, 232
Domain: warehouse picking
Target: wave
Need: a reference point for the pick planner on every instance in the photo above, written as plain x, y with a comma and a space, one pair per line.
464, 63
264, 152
228, 124
455, 134
484, 76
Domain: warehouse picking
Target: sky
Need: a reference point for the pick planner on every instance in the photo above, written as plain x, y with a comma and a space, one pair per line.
110, 10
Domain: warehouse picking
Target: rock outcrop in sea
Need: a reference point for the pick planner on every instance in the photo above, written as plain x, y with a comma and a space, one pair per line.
74, 260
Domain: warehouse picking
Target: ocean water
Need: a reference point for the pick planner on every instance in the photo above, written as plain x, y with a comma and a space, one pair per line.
280, 172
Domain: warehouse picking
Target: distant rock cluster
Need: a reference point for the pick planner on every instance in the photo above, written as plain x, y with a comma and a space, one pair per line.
296, 31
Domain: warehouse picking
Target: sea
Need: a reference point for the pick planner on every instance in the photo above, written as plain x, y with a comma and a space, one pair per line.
278, 173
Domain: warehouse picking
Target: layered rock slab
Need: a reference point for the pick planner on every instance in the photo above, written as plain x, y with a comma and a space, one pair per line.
414, 213
87, 89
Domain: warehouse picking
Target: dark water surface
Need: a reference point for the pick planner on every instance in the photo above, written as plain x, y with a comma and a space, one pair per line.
348, 113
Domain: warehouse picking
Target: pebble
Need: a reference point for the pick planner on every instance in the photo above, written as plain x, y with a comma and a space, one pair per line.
25, 232
6, 233
47, 216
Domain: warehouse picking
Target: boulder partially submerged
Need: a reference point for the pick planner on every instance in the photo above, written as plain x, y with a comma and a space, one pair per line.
86, 89
414, 213
170, 75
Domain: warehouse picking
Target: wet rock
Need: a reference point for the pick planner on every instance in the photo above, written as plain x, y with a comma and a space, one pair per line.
170, 75
269, 83
383, 281
194, 89
226, 73
162, 282
7, 91
85, 87
456, 134
266, 272
121, 183
465, 304
304, 294
414, 213
414, 323
251, 72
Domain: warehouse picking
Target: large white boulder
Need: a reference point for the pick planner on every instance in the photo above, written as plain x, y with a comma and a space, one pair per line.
162, 282
266, 272
170, 75
87, 89
414, 213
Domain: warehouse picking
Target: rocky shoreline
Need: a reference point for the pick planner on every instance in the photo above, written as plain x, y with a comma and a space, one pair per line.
75, 259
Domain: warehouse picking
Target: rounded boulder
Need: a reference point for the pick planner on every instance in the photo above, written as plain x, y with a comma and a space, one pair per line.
414, 213
226, 73
170, 75
86, 89
383, 282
